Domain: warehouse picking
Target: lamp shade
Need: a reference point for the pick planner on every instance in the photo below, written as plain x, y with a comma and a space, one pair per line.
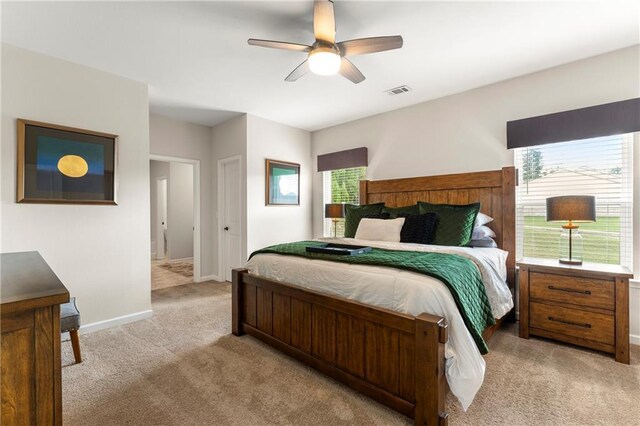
334, 211
576, 208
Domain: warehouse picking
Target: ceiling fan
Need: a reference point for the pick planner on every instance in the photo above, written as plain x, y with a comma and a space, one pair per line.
325, 56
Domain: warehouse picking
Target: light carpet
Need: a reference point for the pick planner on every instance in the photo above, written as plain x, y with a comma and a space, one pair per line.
162, 277
182, 367
182, 268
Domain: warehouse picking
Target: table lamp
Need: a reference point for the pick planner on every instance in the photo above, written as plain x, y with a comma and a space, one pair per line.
571, 209
334, 211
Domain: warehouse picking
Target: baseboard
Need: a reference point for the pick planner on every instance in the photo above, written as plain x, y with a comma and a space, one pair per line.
209, 278
153, 255
113, 322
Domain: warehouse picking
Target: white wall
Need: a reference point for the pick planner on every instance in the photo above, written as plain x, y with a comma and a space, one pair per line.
255, 139
157, 169
229, 139
467, 132
180, 211
269, 225
175, 138
101, 253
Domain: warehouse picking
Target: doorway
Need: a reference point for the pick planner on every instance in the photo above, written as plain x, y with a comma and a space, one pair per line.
229, 215
175, 221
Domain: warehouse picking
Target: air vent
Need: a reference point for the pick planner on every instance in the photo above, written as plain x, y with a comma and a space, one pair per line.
398, 90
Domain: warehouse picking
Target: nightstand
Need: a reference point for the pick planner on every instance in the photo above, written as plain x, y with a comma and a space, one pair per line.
584, 305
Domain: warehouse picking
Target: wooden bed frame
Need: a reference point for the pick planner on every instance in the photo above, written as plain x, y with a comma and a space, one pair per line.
394, 358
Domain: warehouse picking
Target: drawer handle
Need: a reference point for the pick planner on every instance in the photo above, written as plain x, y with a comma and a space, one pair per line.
569, 290
569, 322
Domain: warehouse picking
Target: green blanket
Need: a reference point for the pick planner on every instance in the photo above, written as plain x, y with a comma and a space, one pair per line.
458, 273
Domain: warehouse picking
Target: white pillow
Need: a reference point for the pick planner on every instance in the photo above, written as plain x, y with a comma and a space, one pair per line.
482, 219
482, 232
483, 242
380, 229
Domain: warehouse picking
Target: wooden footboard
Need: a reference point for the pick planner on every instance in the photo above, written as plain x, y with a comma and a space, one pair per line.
395, 359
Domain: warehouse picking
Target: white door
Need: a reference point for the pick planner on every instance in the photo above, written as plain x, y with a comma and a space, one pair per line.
161, 228
231, 217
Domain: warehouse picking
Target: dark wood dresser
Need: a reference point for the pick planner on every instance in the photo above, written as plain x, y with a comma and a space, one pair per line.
585, 305
31, 381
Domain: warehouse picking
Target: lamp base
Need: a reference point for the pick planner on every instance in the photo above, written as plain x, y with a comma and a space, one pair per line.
570, 262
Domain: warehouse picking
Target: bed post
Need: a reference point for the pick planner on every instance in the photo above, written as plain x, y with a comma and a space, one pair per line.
364, 193
236, 302
430, 384
509, 183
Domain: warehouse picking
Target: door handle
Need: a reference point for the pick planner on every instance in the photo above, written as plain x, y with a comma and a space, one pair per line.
577, 324
226, 228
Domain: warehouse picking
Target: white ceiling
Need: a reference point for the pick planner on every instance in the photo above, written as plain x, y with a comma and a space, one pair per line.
195, 57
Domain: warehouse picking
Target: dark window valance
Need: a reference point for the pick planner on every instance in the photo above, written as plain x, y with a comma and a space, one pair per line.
357, 157
601, 120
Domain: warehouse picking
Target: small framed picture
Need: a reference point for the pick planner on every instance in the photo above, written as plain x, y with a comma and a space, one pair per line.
283, 183
58, 164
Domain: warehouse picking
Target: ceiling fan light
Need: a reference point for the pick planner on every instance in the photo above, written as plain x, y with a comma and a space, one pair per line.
324, 62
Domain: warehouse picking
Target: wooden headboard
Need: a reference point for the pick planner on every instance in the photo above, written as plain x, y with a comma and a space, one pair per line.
495, 190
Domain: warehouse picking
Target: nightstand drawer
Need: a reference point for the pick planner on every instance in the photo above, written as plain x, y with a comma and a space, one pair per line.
573, 322
574, 290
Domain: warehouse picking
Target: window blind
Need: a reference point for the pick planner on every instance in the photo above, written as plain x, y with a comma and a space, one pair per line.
341, 186
601, 167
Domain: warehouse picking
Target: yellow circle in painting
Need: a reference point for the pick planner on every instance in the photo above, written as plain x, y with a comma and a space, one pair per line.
73, 166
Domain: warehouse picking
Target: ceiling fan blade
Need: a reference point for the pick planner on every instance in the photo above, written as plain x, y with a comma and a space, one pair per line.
324, 21
279, 45
362, 46
348, 70
300, 70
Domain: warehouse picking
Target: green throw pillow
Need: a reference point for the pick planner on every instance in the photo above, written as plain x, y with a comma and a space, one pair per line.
394, 212
455, 223
353, 214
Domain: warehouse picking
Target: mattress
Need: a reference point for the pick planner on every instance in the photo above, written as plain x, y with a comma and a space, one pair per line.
406, 292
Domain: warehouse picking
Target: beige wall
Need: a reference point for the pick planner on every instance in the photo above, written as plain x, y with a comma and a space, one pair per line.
269, 225
175, 138
180, 223
101, 253
230, 139
467, 131
255, 139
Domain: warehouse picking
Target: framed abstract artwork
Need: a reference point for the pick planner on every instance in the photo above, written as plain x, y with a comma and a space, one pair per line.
58, 164
283, 183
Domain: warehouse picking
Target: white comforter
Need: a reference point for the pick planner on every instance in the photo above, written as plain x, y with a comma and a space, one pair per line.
406, 292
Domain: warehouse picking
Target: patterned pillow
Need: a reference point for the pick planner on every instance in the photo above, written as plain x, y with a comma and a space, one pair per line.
418, 228
455, 223
353, 214
399, 211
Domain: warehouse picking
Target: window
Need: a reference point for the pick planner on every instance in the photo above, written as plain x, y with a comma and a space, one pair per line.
341, 186
601, 167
